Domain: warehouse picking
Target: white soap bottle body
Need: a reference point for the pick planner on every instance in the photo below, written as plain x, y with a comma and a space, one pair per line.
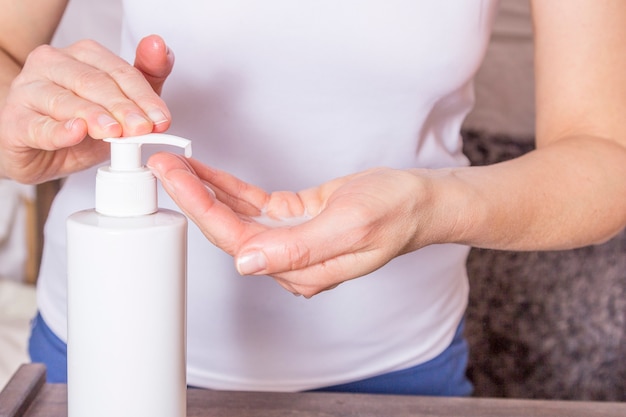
127, 279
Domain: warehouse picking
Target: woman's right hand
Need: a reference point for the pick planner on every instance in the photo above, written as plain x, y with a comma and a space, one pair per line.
63, 99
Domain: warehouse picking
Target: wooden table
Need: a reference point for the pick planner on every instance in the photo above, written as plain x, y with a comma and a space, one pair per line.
28, 395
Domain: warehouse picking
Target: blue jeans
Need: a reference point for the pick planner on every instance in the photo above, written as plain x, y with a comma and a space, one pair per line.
444, 375
45, 347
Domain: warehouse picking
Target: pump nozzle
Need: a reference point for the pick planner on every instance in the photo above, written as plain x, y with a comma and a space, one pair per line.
127, 188
126, 152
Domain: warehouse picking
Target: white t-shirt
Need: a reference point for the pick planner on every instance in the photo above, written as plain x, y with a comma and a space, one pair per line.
287, 95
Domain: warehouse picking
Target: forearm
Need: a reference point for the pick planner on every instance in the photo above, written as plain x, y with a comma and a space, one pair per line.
568, 194
23, 26
8, 71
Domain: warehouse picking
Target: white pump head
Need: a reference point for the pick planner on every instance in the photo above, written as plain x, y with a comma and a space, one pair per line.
127, 188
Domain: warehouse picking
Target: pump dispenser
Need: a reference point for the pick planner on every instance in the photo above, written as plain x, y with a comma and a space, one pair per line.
127, 188
127, 282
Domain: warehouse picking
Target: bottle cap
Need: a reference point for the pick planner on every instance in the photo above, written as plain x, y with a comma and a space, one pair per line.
127, 188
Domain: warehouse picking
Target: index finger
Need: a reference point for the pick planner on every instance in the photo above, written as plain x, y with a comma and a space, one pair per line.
219, 223
128, 79
99, 76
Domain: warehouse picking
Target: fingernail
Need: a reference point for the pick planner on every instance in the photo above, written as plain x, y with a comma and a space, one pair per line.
157, 117
105, 121
251, 263
210, 190
172, 180
154, 171
135, 120
69, 125
169, 53
170, 186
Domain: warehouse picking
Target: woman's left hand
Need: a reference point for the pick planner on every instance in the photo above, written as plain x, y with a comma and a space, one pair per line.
309, 241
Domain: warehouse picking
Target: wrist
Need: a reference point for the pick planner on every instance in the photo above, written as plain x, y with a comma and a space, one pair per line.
450, 208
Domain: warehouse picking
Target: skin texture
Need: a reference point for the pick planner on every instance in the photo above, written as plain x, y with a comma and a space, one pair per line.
569, 192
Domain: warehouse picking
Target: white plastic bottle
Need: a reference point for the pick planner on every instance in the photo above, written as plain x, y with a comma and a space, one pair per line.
127, 283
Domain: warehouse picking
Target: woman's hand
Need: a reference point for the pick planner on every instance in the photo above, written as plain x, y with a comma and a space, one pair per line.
64, 98
308, 241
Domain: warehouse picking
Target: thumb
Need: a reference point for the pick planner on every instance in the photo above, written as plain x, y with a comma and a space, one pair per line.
155, 61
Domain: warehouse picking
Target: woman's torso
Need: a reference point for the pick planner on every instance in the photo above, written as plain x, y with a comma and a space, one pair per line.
288, 95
